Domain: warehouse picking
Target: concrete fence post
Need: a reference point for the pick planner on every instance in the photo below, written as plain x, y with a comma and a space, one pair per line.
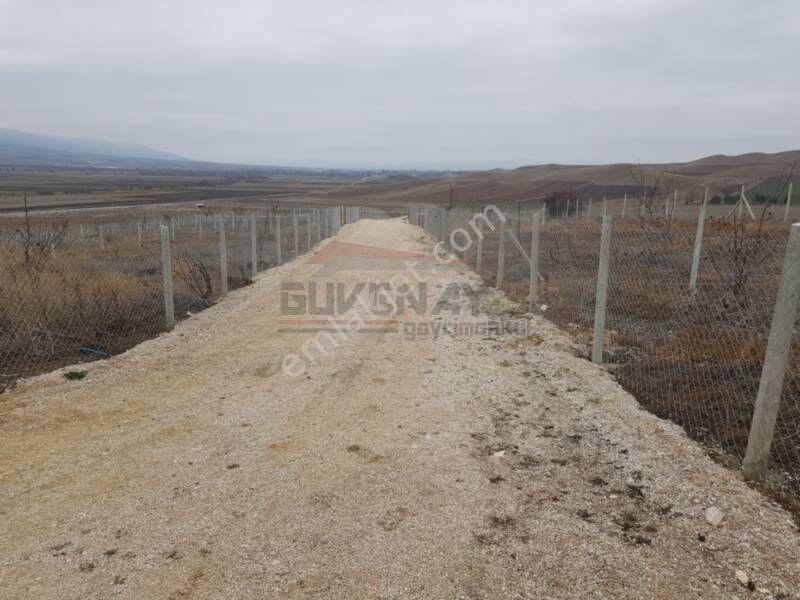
788, 202
278, 249
675, 204
223, 258
139, 232
740, 205
501, 256
308, 230
601, 296
296, 233
101, 229
166, 273
533, 287
479, 248
698, 244
318, 218
589, 211
624, 204
253, 247
779, 344
605, 207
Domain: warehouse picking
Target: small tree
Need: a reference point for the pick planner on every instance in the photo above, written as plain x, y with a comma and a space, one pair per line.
776, 194
651, 184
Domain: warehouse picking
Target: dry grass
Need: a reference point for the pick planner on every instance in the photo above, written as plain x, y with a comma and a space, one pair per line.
694, 358
81, 299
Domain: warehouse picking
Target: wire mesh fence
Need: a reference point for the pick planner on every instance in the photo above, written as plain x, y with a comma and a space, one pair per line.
78, 287
689, 349
689, 343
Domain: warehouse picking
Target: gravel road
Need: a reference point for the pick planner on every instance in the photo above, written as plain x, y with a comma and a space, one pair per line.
498, 465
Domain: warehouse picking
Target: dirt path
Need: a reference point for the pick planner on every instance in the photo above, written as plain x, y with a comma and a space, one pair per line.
470, 466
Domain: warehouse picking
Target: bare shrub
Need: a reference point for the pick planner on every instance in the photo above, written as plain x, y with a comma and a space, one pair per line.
195, 275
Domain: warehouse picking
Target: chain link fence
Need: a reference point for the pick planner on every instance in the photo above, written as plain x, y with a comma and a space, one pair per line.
690, 346
80, 286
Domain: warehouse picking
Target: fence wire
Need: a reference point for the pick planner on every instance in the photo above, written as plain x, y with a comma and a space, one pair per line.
79, 287
693, 355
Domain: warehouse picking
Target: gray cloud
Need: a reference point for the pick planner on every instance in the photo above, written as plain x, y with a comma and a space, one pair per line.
407, 84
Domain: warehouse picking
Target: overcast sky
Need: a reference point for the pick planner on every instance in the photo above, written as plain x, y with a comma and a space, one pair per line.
457, 84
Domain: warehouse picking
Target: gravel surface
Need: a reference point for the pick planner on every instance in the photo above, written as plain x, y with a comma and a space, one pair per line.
470, 466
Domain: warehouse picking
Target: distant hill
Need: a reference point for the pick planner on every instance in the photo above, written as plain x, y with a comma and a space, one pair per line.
756, 171
18, 148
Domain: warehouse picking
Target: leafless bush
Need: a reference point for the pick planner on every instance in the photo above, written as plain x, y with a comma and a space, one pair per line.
652, 184
195, 275
38, 241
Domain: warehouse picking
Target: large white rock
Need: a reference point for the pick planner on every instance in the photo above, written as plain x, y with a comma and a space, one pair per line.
714, 516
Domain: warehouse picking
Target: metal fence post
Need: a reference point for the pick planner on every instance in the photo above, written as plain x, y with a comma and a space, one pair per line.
768, 399
501, 256
533, 289
223, 257
278, 249
788, 202
253, 246
166, 273
698, 244
601, 295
